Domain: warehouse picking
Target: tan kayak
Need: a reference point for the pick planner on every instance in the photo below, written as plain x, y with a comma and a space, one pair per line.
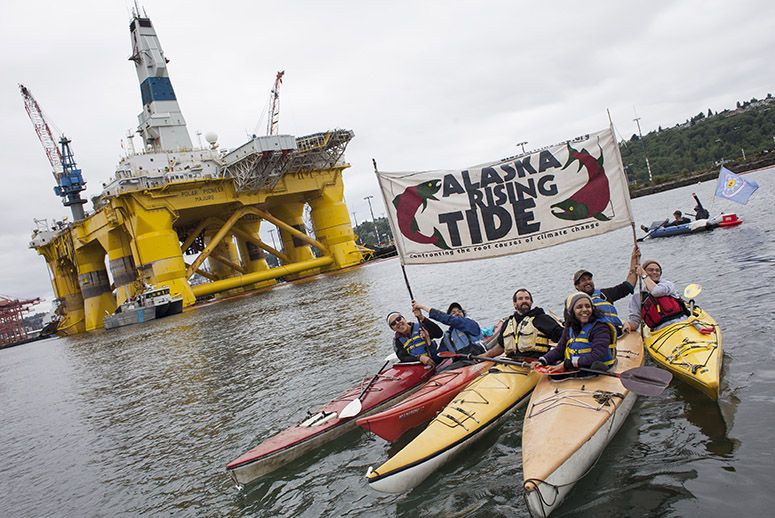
692, 356
568, 425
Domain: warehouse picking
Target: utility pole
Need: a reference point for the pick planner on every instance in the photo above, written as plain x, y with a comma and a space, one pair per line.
355, 218
523, 146
373, 221
648, 166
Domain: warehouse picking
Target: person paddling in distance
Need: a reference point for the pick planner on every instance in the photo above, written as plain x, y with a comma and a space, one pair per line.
586, 340
413, 341
678, 219
604, 298
529, 331
464, 335
661, 303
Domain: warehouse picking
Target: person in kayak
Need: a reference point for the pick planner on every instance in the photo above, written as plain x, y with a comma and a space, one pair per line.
699, 211
586, 340
528, 331
678, 219
413, 341
605, 297
661, 303
464, 335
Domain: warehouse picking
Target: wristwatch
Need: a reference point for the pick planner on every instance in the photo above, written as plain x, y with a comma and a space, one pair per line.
644, 276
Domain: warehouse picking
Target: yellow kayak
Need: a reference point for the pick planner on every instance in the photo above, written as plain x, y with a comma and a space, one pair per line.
476, 409
689, 354
568, 425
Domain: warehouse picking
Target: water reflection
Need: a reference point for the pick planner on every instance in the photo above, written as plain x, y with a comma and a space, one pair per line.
705, 414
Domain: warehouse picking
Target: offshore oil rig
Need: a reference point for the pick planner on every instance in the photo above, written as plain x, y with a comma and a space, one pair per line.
171, 199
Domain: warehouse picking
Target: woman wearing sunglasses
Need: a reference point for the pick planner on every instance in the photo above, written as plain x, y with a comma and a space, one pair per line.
413, 341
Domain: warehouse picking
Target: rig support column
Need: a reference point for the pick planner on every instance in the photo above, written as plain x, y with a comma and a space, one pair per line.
253, 257
333, 228
98, 300
68, 292
158, 251
122, 264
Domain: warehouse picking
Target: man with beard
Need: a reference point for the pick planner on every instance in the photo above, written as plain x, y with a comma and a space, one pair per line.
527, 332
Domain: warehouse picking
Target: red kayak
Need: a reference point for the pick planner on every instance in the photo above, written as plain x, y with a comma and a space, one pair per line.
390, 386
423, 405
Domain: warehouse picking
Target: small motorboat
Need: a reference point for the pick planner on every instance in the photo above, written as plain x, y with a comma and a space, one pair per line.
151, 304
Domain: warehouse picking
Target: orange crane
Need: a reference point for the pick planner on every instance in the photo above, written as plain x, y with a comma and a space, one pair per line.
12, 328
273, 122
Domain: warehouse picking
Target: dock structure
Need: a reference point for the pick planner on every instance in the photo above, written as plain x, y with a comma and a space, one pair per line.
174, 212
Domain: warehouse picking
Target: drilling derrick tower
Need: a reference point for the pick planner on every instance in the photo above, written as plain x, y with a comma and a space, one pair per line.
67, 175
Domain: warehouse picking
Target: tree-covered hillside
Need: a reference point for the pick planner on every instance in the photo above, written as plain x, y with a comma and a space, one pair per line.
744, 134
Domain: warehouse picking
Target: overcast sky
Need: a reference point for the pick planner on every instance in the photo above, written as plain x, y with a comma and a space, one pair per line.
424, 85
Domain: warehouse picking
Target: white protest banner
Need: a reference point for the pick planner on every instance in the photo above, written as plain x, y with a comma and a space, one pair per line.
569, 191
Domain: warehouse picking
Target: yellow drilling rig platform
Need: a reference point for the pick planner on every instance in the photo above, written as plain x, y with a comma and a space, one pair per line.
171, 201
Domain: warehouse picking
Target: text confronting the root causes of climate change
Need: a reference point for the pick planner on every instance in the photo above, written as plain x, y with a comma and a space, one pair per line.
564, 192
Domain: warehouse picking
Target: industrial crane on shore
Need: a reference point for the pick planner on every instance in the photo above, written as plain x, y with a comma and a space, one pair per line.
69, 179
273, 124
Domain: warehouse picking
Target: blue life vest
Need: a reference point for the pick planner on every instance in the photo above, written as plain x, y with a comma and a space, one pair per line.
455, 340
607, 309
579, 345
415, 344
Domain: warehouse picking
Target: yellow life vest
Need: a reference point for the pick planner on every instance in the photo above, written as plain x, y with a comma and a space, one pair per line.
524, 337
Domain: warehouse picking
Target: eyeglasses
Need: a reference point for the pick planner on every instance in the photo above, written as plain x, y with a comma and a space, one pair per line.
399, 318
655, 269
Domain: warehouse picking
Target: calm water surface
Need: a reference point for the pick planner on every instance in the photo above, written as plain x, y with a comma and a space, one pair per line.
143, 419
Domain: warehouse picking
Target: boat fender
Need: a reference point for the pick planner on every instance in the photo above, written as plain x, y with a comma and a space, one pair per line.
368, 471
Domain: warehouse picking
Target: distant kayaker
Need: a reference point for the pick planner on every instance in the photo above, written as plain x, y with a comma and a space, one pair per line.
662, 304
413, 341
528, 331
699, 210
605, 297
678, 219
587, 339
464, 335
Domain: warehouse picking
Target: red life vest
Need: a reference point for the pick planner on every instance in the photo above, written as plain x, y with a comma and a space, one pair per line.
656, 310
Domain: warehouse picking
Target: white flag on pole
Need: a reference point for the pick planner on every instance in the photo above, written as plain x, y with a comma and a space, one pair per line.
569, 191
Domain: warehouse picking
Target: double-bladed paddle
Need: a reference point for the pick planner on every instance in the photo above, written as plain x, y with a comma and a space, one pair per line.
354, 407
644, 381
651, 231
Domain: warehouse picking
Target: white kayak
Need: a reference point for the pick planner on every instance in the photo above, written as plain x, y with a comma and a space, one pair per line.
568, 425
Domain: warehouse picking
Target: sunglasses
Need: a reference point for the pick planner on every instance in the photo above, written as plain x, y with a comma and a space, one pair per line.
399, 318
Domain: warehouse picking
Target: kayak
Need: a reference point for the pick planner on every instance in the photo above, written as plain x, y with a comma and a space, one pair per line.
568, 425
391, 386
656, 229
392, 423
689, 354
475, 410
423, 406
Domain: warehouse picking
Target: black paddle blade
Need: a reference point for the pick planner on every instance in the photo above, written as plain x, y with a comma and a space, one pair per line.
646, 381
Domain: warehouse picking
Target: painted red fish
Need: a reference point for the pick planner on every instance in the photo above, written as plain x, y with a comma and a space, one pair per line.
407, 203
592, 199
